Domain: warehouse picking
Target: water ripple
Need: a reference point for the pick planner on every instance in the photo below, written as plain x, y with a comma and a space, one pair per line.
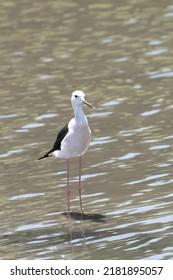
159, 75
102, 140
134, 131
156, 52
25, 196
150, 113
46, 116
114, 102
100, 114
164, 219
11, 152
159, 147
129, 155
8, 116
33, 125
152, 177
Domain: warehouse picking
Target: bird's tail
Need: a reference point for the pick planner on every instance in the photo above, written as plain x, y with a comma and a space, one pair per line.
45, 156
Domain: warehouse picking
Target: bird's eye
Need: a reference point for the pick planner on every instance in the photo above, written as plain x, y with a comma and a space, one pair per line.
76, 96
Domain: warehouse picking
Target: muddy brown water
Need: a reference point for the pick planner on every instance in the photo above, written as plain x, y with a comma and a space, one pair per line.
120, 54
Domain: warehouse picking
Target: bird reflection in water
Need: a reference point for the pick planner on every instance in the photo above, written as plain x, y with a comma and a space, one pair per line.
76, 216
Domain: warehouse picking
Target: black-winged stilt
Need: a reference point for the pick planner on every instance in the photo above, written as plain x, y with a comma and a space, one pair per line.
73, 140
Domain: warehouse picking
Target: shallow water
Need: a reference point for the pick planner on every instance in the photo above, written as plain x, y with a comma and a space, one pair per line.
120, 55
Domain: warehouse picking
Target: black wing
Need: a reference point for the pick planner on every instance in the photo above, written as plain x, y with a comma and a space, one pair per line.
57, 145
61, 135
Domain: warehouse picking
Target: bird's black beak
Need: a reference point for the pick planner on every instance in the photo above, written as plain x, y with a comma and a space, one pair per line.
85, 102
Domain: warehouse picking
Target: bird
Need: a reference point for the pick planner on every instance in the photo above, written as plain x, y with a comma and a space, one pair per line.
73, 141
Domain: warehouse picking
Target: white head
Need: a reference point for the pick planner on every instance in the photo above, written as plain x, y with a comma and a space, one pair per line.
78, 97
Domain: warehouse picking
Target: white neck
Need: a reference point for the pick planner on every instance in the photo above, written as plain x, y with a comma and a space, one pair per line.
79, 114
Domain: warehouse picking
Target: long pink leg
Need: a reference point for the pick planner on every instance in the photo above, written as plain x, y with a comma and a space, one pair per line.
68, 186
79, 184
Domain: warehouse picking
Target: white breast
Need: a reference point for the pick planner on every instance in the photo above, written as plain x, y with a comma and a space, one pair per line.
77, 140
